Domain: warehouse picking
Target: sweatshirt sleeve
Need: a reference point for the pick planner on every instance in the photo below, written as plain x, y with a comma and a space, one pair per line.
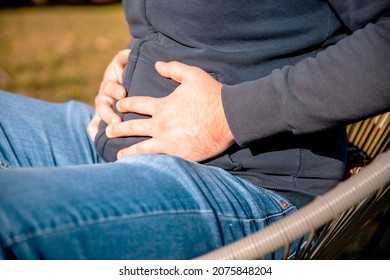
342, 84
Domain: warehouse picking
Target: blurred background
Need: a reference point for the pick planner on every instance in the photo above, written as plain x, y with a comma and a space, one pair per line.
57, 50
16, 3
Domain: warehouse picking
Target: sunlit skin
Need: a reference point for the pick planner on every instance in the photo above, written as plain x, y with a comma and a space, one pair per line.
189, 123
109, 90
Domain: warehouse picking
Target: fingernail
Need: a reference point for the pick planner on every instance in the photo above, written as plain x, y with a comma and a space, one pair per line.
109, 131
117, 106
159, 63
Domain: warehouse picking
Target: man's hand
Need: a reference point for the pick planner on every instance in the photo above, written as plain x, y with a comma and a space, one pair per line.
189, 123
110, 89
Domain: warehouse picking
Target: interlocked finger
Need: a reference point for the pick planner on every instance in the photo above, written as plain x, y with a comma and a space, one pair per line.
150, 146
141, 127
144, 105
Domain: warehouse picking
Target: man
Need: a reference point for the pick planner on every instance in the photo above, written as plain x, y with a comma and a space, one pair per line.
244, 130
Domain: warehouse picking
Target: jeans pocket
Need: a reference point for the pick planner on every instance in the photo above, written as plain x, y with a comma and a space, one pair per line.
280, 200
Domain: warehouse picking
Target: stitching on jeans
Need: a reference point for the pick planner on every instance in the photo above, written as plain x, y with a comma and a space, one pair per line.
68, 227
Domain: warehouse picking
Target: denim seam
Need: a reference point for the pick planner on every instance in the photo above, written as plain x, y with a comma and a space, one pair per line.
40, 233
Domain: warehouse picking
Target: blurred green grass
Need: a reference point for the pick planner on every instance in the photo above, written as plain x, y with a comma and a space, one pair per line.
58, 53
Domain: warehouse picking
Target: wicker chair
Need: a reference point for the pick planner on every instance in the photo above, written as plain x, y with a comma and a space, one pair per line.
324, 227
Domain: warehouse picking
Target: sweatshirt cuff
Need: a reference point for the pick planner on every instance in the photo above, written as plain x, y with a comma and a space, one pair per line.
253, 111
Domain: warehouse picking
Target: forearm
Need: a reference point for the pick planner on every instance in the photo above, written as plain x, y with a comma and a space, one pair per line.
344, 83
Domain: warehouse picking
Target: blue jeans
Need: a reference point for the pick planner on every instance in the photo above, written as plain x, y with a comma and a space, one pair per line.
58, 200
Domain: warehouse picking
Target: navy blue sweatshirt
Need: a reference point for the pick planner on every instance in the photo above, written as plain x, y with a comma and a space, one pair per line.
294, 74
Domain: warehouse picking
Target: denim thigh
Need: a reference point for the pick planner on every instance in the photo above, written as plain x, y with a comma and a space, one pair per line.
39, 133
141, 207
